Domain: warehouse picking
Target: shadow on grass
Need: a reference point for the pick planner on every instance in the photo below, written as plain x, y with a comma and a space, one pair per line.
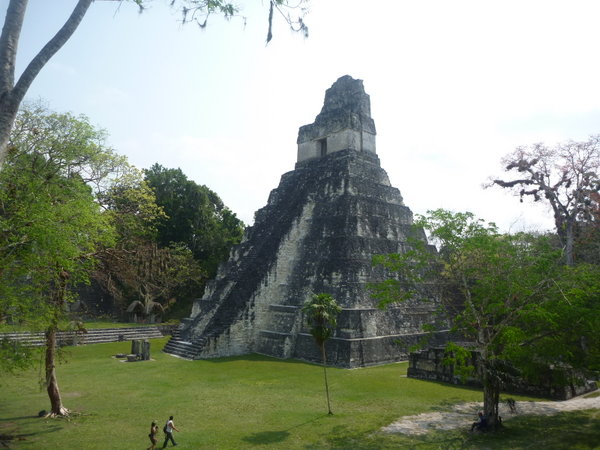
569, 430
6, 419
447, 404
7, 439
572, 430
343, 437
267, 437
9, 428
272, 437
256, 357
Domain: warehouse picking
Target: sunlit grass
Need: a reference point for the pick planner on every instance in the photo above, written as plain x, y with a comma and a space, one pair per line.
251, 402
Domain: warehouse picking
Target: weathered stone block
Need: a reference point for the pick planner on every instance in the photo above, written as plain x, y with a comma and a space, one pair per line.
136, 346
145, 350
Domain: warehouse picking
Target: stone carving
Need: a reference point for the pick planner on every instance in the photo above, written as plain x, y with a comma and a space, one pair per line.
317, 233
140, 350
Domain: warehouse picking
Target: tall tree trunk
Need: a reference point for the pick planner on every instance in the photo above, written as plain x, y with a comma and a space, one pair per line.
8, 112
9, 42
569, 241
13, 95
491, 398
58, 303
57, 408
323, 353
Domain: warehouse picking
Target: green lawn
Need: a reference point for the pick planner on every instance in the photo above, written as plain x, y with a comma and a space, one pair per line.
251, 402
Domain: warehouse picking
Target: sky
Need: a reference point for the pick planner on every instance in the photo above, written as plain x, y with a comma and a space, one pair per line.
454, 86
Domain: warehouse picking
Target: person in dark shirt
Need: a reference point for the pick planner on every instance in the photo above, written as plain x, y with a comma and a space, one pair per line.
480, 424
152, 435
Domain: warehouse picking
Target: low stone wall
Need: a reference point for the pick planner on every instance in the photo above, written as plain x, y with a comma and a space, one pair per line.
91, 336
429, 365
353, 353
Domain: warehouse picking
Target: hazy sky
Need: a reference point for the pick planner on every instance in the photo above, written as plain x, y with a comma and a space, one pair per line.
454, 86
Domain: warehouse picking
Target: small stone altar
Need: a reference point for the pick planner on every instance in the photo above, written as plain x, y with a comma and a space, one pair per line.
140, 350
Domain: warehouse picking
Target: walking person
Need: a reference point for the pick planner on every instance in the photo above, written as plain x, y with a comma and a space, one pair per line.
169, 427
152, 435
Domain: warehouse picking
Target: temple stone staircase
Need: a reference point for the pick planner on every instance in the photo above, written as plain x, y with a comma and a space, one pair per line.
181, 348
93, 336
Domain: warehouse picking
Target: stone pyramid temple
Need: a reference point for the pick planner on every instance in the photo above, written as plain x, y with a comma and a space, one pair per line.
318, 233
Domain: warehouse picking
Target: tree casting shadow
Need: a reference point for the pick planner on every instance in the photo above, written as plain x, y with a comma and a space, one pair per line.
267, 437
272, 437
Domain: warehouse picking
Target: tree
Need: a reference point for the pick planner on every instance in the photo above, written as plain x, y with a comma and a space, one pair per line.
507, 295
14, 356
12, 94
321, 312
123, 269
587, 239
565, 333
155, 277
198, 11
51, 222
195, 217
566, 176
131, 204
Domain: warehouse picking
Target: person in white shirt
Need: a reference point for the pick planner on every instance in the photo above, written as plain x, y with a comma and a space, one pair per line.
169, 427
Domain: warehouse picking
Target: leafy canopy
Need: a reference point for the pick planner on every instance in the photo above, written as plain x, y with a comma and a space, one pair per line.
321, 314
509, 296
195, 216
51, 223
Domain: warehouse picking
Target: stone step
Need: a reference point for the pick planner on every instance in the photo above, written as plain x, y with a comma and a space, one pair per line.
183, 349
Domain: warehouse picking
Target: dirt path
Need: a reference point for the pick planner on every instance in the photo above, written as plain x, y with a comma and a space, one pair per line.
464, 414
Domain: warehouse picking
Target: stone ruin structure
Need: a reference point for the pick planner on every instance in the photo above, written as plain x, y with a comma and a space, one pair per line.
429, 364
318, 233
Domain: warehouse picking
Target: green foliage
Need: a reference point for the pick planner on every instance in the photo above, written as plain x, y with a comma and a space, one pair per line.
195, 217
405, 272
131, 206
50, 220
172, 234
461, 359
508, 295
52, 225
57, 215
321, 315
14, 357
148, 280
564, 332
140, 275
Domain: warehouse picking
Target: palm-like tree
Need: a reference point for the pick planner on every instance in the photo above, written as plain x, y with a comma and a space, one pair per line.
321, 311
148, 310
